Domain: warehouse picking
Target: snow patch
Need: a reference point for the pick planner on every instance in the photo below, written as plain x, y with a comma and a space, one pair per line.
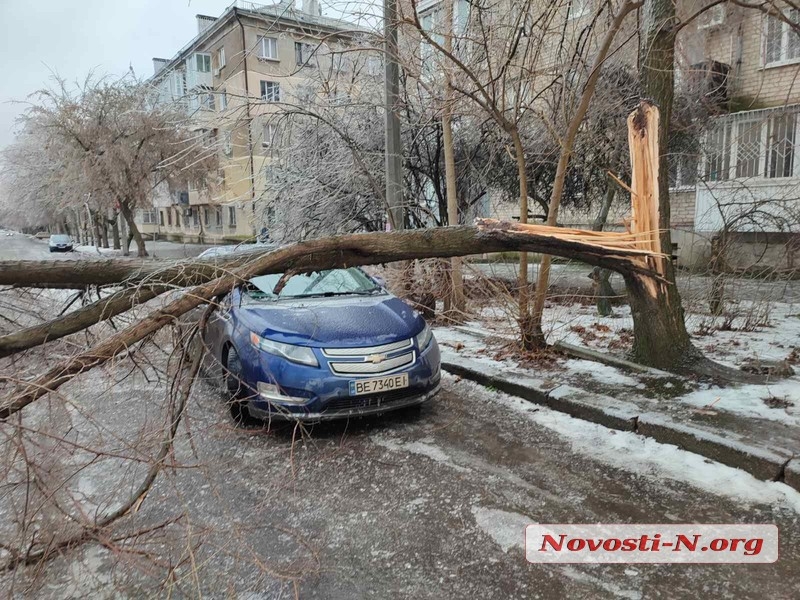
507, 529
631, 452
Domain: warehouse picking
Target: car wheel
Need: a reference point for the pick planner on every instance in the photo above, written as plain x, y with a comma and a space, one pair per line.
235, 390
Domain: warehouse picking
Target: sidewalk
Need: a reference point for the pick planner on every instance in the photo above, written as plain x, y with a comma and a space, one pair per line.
657, 405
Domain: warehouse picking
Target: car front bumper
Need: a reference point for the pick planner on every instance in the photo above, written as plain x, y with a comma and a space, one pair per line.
344, 413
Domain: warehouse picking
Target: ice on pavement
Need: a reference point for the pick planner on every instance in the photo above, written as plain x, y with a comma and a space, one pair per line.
631, 452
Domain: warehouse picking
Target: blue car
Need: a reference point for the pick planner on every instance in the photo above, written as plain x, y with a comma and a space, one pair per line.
324, 345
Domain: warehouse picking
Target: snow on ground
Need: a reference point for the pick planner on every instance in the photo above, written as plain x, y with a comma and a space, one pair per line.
644, 456
752, 331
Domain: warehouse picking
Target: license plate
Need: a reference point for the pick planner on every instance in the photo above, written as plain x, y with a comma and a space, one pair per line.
379, 384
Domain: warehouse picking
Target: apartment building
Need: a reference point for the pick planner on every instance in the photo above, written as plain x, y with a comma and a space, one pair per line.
740, 174
235, 77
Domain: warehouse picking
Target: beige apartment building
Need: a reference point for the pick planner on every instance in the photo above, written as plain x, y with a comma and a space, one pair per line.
742, 175
236, 77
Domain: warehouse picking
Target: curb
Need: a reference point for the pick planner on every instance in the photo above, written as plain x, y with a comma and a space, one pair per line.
767, 465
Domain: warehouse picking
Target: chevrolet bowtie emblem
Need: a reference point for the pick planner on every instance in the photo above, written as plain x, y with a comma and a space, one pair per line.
376, 358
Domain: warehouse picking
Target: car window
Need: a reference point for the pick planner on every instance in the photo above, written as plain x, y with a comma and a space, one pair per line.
59, 239
333, 282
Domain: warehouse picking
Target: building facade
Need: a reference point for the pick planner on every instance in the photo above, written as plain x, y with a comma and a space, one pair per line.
236, 78
738, 175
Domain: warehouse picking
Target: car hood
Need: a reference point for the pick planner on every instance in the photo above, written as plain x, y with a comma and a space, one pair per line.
333, 322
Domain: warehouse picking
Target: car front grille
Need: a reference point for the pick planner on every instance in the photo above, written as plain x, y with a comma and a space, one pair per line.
373, 360
372, 400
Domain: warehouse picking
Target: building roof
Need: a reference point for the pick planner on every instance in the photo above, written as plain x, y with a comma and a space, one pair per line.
283, 11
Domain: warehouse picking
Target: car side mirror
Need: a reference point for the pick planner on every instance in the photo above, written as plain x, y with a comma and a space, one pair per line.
379, 280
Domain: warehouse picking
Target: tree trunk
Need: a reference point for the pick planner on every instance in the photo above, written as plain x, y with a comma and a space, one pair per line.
664, 341
327, 253
114, 222
456, 302
603, 292
102, 223
526, 324
123, 234
133, 230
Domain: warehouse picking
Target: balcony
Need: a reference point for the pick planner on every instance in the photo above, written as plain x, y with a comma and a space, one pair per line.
750, 177
198, 71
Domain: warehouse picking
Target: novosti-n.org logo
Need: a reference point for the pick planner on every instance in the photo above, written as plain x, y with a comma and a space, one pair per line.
654, 543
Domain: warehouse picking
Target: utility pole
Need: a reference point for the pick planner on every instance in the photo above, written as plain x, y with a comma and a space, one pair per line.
394, 151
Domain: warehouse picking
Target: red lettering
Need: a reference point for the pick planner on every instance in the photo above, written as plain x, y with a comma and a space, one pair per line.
555, 545
684, 540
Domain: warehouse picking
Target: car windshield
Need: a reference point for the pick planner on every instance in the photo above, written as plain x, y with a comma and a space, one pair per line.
334, 282
60, 239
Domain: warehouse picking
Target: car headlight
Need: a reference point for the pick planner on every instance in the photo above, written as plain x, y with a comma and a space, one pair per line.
297, 354
424, 337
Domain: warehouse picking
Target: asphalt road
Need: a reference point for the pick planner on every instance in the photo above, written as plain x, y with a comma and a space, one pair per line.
428, 505
24, 247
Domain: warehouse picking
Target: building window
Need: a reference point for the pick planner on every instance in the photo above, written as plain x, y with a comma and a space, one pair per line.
781, 40
218, 217
223, 100
231, 216
161, 218
780, 145
177, 219
302, 53
149, 217
169, 218
207, 101
202, 63
718, 158
195, 217
221, 58
268, 48
683, 171
227, 143
271, 91
757, 144
269, 135
748, 151
205, 217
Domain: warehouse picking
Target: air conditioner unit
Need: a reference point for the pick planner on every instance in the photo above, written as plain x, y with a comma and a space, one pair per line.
708, 81
217, 72
713, 17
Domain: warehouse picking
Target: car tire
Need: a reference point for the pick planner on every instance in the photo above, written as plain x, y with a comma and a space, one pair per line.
235, 390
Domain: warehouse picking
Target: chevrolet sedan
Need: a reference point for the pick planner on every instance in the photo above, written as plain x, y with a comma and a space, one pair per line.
325, 345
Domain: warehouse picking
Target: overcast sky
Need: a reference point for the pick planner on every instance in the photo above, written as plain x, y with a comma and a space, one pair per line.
72, 37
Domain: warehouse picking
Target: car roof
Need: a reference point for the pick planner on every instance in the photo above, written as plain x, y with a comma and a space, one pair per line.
241, 248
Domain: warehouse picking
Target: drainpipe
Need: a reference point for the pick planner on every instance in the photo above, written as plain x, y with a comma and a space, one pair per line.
249, 120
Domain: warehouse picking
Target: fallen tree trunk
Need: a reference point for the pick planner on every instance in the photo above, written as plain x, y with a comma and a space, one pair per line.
326, 253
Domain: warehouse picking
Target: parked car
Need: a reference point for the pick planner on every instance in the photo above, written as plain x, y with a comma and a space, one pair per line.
60, 243
325, 345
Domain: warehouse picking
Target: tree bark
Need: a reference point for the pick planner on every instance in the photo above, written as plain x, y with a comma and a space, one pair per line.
113, 221
601, 277
123, 234
668, 341
133, 230
456, 302
527, 328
